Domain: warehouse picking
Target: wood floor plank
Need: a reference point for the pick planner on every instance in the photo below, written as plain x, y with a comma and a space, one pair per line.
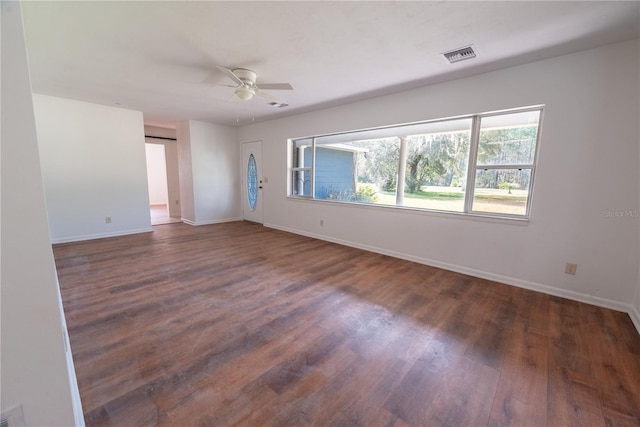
490, 341
237, 324
412, 399
572, 403
467, 396
521, 394
573, 398
617, 372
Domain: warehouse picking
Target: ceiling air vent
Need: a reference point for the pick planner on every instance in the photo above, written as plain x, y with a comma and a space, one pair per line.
12, 417
461, 54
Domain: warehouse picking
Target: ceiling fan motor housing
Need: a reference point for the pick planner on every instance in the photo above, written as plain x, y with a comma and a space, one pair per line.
247, 76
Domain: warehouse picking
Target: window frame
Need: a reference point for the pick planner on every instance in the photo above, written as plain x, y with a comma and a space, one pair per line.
295, 169
472, 165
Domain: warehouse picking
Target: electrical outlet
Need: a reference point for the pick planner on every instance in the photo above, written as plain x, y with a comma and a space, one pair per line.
107, 219
322, 223
177, 202
570, 268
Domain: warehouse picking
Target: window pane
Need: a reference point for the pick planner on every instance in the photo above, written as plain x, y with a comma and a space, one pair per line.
502, 191
508, 139
364, 171
301, 183
377, 170
301, 153
436, 167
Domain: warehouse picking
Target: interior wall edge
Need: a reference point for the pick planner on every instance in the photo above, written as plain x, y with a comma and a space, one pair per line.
635, 317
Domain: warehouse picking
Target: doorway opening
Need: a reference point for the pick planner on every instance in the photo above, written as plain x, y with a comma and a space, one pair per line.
160, 178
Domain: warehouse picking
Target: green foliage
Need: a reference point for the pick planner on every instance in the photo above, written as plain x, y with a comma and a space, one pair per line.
506, 146
433, 159
508, 186
364, 194
420, 170
379, 165
367, 192
390, 183
436, 159
507, 179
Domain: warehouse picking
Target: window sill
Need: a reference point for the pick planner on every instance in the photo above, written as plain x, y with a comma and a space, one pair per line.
474, 216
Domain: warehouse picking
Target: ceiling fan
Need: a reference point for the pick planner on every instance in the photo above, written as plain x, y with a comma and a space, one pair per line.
246, 86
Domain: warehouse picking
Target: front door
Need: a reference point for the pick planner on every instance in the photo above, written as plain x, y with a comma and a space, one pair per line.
252, 181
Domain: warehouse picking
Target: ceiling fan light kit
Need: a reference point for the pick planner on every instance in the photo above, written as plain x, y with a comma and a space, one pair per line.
245, 93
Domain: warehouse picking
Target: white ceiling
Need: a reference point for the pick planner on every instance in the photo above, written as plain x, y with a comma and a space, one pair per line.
160, 57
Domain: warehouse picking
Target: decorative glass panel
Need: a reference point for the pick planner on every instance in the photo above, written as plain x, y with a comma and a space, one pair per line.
252, 182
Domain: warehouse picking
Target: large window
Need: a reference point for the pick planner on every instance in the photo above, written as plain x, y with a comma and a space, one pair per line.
482, 164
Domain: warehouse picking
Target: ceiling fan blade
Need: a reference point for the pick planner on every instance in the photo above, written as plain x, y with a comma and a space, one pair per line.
274, 86
270, 97
230, 74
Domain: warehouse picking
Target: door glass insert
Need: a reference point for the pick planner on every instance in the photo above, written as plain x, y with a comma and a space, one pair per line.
252, 182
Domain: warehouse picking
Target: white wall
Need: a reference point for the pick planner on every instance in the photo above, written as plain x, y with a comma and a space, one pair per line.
212, 153
187, 204
37, 368
588, 165
156, 174
173, 177
93, 166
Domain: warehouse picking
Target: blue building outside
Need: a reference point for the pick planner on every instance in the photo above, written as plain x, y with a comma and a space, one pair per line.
334, 172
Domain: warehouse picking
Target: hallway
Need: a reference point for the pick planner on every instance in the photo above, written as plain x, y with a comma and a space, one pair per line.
160, 215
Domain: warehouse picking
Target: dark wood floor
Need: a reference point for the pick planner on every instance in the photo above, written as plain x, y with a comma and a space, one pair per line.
238, 324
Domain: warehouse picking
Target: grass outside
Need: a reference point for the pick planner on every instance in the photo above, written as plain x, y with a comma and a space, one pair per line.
452, 199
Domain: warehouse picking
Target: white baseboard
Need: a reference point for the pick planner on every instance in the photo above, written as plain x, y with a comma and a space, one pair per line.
538, 287
99, 235
213, 221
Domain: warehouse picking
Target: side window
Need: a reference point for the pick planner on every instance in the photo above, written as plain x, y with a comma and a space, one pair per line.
505, 163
